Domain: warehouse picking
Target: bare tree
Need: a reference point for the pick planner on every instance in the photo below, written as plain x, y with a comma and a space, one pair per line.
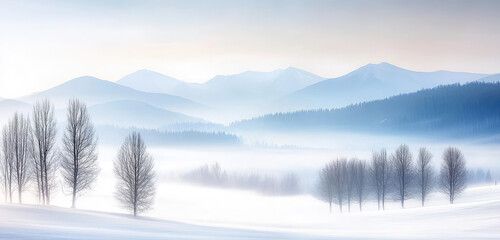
7, 163
380, 172
19, 128
79, 151
425, 173
339, 181
453, 173
326, 184
360, 182
133, 167
44, 131
403, 173
350, 181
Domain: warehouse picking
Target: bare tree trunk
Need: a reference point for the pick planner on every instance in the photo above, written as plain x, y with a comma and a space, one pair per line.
75, 171
73, 205
5, 185
383, 202
10, 192
422, 194
136, 170
74, 188
39, 188
402, 189
46, 182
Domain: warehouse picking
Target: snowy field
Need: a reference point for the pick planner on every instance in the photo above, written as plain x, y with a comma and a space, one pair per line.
35, 222
185, 211
476, 215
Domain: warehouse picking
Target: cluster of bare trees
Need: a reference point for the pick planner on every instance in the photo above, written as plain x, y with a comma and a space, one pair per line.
396, 176
30, 154
344, 182
479, 176
214, 176
16, 166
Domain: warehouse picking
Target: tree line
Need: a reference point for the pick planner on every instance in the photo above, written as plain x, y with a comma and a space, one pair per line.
479, 176
30, 157
396, 176
215, 176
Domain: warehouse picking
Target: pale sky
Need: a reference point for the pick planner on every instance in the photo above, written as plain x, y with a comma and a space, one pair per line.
45, 43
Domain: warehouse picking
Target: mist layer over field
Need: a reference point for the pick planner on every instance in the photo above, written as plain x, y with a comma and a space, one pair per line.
278, 155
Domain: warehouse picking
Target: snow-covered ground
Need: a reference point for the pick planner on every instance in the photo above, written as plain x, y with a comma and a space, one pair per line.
36, 222
228, 214
184, 211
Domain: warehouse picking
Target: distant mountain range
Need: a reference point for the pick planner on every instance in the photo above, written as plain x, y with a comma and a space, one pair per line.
231, 96
153, 100
370, 82
252, 93
472, 109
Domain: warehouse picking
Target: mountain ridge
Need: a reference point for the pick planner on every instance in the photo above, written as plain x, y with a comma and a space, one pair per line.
369, 82
93, 91
149, 81
129, 113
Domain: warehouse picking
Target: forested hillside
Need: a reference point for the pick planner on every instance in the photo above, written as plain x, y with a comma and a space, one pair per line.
469, 109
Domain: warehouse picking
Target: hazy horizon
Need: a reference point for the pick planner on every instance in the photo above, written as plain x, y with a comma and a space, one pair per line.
194, 41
